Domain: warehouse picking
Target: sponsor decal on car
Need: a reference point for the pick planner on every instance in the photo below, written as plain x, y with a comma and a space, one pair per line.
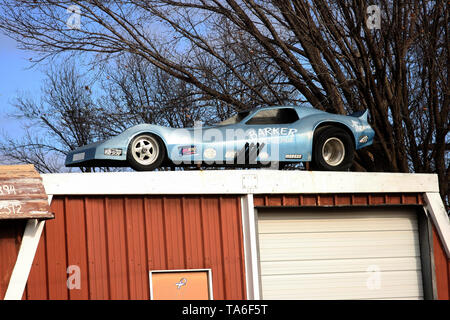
188, 150
209, 153
78, 156
293, 156
267, 132
112, 152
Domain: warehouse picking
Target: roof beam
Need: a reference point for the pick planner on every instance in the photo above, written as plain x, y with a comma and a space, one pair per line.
237, 182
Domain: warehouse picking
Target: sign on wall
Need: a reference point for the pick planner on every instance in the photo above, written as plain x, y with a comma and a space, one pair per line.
189, 284
22, 194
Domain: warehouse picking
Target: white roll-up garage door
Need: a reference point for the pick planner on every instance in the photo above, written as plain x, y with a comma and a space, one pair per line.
339, 254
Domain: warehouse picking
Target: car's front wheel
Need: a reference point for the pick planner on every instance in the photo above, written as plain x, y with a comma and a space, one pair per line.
145, 152
333, 149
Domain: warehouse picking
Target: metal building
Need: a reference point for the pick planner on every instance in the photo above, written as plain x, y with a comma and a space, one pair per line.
263, 234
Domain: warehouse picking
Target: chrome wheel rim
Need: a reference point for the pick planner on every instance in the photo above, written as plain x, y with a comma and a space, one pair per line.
333, 151
145, 150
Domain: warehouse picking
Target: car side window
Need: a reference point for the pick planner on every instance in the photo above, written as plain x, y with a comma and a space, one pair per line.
274, 116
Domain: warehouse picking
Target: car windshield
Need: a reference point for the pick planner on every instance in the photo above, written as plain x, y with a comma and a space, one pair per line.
234, 119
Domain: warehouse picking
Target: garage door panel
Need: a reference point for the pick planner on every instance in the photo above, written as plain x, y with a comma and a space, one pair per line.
350, 252
341, 265
342, 286
336, 240
292, 223
330, 254
338, 213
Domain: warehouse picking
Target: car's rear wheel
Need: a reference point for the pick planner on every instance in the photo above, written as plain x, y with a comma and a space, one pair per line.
333, 149
145, 152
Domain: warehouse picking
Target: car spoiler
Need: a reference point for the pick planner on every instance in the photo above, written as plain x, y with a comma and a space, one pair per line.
361, 115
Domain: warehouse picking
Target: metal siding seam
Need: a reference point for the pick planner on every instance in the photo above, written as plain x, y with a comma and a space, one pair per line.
234, 257
108, 271
96, 245
202, 233
173, 220
86, 247
104, 251
218, 240
129, 234
193, 231
127, 253
211, 252
156, 245
228, 239
90, 248
198, 243
234, 254
168, 242
66, 242
144, 213
222, 246
56, 249
163, 215
141, 252
127, 257
183, 231
118, 251
135, 244
78, 245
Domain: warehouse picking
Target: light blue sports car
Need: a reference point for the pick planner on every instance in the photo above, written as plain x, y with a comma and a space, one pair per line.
264, 136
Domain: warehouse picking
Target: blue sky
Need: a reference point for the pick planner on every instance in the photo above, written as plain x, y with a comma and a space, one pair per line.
16, 78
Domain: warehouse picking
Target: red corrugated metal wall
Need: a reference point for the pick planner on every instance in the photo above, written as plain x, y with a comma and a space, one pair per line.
353, 199
11, 232
116, 240
442, 265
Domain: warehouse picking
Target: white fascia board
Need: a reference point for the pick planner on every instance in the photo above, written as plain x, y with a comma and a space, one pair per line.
250, 247
435, 208
236, 182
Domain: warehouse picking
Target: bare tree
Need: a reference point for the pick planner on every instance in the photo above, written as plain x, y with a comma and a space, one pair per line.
324, 52
64, 119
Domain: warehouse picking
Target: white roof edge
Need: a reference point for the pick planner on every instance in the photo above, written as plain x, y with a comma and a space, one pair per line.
236, 182
436, 209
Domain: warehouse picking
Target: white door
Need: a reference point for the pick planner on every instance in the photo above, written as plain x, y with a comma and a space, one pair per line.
339, 254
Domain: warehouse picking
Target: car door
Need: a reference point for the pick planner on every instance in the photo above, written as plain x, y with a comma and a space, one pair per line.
274, 130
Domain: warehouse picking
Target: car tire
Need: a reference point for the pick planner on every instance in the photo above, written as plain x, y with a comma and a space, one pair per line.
333, 149
146, 152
